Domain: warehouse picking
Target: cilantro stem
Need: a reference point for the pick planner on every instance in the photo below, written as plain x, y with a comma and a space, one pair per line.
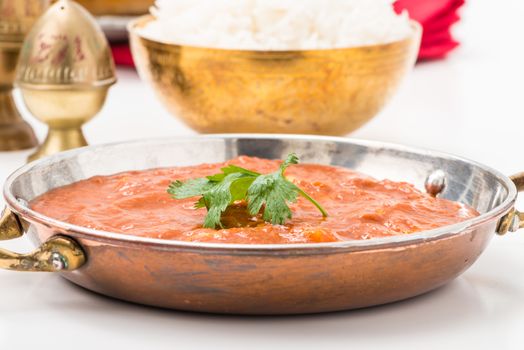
271, 191
315, 203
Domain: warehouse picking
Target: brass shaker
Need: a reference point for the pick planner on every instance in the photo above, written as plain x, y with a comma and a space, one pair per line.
16, 19
64, 73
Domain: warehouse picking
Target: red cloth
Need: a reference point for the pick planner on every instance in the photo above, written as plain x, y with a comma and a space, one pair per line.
435, 16
122, 54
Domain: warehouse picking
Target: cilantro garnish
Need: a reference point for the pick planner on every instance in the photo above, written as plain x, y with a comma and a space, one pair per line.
270, 192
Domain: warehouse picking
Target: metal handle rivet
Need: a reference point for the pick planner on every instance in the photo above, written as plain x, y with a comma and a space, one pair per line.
57, 261
435, 182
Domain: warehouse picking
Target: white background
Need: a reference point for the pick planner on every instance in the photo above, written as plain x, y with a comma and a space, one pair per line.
470, 104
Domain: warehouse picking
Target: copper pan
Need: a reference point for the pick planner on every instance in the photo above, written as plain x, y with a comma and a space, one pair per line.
257, 279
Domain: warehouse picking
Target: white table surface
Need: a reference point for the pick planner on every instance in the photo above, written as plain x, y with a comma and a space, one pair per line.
470, 105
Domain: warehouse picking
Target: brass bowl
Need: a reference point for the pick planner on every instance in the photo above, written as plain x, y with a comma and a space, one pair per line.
117, 7
330, 92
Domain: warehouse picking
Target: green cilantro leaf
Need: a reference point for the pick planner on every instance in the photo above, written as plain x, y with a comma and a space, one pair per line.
273, 191
217, 192
230, 169
218, 198
189, 188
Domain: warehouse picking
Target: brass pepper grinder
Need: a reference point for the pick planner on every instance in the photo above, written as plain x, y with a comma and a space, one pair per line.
16, 18
64, 73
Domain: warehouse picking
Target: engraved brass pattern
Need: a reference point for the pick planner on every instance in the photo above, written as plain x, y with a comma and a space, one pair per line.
64, 72
16, 19
65, 47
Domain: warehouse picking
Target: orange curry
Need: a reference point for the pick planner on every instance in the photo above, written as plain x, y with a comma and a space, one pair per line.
359, 206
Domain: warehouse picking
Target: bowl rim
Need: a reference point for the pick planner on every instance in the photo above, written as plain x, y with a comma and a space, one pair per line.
133, 29
23, 210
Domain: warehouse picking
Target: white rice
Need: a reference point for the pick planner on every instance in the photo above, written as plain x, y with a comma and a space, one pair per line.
276, 24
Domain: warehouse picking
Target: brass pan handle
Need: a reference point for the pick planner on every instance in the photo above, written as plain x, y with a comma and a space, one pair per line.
59, 253
514, 220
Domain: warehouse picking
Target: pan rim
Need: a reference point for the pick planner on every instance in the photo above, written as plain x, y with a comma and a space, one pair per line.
353, 245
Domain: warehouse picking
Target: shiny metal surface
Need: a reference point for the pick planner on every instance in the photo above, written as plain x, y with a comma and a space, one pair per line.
117, 7
16, 19
65, 48
326, 92
64, 73
514, 220
58, 253
269, 279
10, 227
435, 182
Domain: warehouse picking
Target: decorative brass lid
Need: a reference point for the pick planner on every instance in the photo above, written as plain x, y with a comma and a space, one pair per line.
17, 17
65, 48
